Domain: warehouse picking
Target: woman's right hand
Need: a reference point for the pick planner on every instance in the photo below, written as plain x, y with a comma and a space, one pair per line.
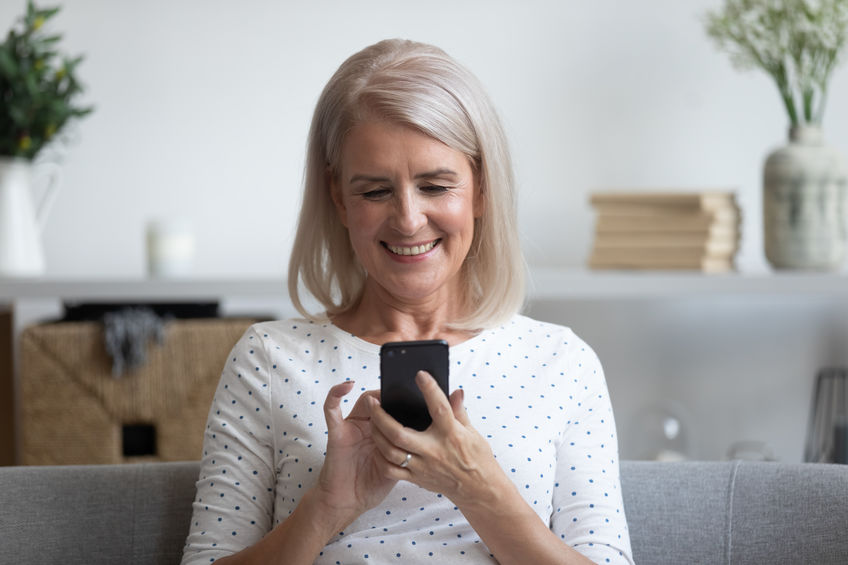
351, 481
348, 485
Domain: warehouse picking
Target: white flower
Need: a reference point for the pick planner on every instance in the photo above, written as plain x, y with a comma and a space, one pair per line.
797, 42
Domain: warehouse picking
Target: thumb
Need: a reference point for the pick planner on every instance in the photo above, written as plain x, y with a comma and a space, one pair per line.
332, 410
457, 400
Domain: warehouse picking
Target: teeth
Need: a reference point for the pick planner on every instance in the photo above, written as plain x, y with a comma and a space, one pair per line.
414, 250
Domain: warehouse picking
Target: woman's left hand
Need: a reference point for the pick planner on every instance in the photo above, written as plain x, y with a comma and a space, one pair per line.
450, 457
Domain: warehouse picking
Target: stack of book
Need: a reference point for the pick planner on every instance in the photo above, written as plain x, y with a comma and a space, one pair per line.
665, 230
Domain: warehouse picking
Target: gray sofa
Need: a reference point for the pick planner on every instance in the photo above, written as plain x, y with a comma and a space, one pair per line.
715, 512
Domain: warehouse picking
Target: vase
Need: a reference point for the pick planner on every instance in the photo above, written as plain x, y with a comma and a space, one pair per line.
804, 185
22, 216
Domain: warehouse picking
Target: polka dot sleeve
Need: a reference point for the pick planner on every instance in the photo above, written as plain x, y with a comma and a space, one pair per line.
233, 507
588, 507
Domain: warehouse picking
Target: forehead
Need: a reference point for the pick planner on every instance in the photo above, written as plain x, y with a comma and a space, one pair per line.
386, 146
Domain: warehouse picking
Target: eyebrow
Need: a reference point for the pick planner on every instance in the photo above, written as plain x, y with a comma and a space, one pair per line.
425, 175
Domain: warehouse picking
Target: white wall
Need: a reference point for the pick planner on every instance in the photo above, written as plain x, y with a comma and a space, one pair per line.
732, 368
203, 108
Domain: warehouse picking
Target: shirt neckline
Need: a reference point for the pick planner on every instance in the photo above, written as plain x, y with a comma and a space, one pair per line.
374, 349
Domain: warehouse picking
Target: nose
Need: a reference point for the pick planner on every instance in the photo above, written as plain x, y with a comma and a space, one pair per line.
409, 214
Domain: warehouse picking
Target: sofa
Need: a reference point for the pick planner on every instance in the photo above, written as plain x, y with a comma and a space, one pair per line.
686, 512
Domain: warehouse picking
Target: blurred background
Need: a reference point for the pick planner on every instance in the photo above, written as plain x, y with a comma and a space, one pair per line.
202, 112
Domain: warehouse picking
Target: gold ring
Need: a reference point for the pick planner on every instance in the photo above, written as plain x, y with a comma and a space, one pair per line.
407, 460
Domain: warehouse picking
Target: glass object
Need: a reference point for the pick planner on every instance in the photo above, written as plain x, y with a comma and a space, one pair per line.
170, 248
662, 434
827, 433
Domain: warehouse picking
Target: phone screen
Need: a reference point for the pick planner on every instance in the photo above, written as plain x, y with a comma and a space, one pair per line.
400, 361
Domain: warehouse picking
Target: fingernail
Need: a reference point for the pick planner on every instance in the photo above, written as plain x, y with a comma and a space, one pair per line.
421, 377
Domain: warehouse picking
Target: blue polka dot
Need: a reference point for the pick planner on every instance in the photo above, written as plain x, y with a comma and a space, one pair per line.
534, 391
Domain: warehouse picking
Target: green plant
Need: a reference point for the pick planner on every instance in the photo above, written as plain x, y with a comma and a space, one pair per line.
36, 90
797, 42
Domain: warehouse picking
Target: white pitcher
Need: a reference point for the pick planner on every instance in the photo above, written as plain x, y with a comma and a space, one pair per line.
21, 223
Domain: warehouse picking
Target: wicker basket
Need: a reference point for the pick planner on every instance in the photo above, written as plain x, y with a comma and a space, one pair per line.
73, 411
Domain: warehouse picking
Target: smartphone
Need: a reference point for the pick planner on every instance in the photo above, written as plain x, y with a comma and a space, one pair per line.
400, 361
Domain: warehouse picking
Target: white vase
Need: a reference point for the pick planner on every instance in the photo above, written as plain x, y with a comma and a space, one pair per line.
21, 221
804, 199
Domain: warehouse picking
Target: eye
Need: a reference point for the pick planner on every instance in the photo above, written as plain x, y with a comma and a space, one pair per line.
376, 194
434, 189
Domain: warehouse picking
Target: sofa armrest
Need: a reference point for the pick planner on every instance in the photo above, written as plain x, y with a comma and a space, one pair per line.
96, 514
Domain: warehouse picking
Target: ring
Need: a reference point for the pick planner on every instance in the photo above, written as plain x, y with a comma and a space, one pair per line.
407, 460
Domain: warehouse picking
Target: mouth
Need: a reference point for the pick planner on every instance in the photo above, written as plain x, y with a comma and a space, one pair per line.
413, 249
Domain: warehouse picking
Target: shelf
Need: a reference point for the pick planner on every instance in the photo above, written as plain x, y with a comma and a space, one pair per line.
141, 289
545, 284
562, 284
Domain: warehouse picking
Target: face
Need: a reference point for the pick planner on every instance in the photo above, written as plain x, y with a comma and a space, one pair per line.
409, 203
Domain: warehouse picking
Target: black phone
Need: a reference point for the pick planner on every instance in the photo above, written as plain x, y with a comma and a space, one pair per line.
400, 361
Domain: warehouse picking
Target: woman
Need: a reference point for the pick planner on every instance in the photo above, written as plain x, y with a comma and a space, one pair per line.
407, 232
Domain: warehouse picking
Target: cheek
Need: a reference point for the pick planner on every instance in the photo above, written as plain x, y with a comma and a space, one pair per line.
459, 215
362, 221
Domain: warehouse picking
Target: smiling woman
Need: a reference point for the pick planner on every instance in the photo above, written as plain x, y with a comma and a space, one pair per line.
409, 203
399, 86
407, 232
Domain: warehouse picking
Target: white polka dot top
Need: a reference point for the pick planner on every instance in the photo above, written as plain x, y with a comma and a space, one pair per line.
534, 390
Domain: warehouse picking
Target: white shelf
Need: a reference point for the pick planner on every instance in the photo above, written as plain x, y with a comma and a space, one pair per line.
141, 289
553, 284
545, 284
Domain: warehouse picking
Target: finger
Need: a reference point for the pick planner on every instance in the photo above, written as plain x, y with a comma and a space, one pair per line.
390, 428
390, 458
332, 410
457, 402
437, 403
387, 449
361, 410
389, 470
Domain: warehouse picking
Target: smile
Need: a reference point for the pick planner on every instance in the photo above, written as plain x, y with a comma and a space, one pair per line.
414, 250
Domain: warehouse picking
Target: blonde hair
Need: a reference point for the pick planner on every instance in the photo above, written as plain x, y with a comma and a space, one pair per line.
420, 86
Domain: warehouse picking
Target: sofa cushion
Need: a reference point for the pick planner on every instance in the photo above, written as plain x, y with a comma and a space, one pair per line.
677, 512
736, 512
694, 512
790, 513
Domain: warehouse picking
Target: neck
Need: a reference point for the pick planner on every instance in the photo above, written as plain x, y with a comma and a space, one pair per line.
380, 317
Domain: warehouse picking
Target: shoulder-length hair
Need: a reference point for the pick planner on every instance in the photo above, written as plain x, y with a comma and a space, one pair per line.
420, 86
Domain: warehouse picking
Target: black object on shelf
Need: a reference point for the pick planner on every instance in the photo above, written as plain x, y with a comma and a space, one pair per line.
88, 311
827, 433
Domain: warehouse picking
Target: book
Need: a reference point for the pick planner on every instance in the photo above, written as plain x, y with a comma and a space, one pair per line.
708, 201
659, 254
653, 244
696, 208
705, 223
666, 230
663, 239
700, 263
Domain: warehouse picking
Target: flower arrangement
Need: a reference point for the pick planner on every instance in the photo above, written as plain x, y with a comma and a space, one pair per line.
797, 42
36, 91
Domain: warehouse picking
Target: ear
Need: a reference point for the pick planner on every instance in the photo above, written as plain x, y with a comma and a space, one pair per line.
336, 195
